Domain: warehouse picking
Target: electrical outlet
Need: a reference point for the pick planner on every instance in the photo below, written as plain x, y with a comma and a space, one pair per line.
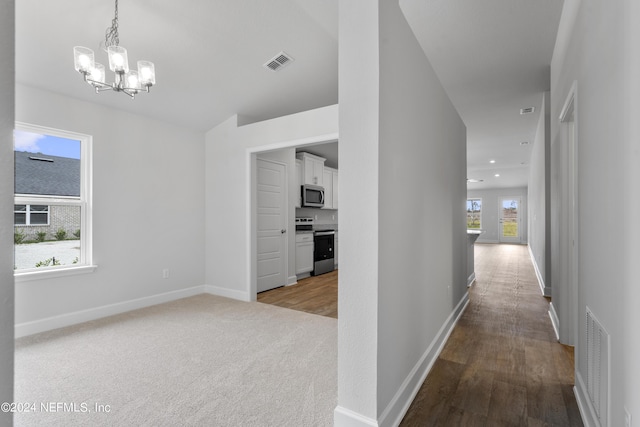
316, 217
165, 273
627, 418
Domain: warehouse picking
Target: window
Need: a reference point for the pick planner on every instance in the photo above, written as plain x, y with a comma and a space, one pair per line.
474, 214
52, 210
31, 215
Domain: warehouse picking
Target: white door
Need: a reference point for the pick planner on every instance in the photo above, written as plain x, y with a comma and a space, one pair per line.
510, 220
271, 225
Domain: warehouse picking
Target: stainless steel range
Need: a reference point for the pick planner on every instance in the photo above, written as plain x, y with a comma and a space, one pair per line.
323, 245
323, 251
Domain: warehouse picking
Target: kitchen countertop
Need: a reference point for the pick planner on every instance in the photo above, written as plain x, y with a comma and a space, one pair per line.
320, 227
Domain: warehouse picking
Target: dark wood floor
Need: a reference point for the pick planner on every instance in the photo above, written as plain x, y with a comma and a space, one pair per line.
502, 364
316, 294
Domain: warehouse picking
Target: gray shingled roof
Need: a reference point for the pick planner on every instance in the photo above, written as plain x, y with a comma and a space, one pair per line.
47, 175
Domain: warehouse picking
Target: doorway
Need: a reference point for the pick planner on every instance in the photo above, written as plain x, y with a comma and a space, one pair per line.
274, 153
509, 220
564, 222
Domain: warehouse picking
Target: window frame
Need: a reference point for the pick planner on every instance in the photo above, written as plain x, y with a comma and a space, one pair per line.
84, 202
471, 199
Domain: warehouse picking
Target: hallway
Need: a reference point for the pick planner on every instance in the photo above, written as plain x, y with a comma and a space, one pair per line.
502, 364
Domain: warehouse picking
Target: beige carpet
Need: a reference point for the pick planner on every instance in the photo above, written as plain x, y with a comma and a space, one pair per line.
203, 360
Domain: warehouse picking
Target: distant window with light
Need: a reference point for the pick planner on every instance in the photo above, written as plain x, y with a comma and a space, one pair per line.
474, 214
52, 223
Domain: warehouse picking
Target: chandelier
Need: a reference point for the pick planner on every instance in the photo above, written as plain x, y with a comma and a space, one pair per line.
130, 82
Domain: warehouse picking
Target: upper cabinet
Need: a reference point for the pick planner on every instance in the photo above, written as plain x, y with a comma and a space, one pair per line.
334, 181
299, 182
330, 179
312, 169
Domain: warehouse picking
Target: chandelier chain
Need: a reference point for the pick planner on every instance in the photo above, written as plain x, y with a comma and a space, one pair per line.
111, 37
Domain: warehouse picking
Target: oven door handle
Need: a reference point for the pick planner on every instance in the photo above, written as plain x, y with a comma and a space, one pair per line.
324, 233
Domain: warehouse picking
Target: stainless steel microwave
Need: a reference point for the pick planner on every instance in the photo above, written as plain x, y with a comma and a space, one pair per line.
312, 196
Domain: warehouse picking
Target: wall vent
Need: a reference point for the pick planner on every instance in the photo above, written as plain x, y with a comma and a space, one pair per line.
527, 110
598, 368
278, 62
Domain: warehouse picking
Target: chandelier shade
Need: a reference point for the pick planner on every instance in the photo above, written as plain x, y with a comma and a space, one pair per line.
83, 59
130, 82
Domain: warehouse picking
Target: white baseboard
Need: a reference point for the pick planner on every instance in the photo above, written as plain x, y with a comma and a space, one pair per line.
68, 319
555, 321
546, 291
471, 279
228, 293
292, 280
399, 405
343, 417
397, 408
587, 412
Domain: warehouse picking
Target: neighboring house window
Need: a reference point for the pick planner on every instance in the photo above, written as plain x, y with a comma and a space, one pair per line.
52, 211
474, 213
31, 215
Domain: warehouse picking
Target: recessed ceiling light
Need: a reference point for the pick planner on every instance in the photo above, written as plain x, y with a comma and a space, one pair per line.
492, 161
497, 175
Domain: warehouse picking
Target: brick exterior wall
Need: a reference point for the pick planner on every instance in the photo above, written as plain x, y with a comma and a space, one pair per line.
60, 217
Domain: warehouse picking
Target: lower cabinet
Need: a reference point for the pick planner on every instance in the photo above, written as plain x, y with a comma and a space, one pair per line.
304, 253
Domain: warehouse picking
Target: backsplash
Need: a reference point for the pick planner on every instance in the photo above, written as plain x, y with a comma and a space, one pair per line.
324, 216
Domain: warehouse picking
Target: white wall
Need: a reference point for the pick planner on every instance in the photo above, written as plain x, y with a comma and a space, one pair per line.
403, 265
538, 200
148, 208
595, 45
6, 204
229, 165
491, 212
631, 291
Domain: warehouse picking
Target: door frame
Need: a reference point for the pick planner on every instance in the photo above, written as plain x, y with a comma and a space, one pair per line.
502, 239
569, 126
251, 155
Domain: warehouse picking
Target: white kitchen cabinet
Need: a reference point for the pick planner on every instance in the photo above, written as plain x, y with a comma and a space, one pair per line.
334, 182
304, 253
330, 179
299, 182
312, 168
327, 179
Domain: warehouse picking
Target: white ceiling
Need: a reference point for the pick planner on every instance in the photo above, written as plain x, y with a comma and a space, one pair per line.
492, 57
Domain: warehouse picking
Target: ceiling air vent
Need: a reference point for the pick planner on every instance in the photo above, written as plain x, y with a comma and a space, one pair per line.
278, 61
527, 110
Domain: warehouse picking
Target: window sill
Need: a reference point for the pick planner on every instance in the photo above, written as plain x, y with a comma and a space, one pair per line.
53, 273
